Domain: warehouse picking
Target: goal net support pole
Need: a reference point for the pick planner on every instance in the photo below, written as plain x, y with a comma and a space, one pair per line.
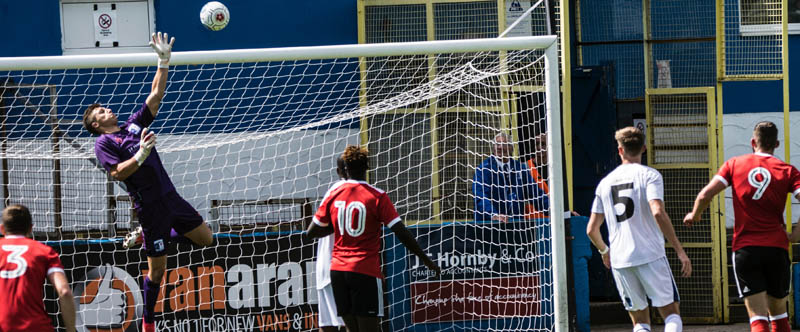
185, 150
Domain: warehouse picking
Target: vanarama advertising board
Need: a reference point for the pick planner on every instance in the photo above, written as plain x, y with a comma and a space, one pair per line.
494, 276
249, 283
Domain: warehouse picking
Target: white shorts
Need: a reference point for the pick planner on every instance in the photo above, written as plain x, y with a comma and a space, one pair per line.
652, 280
327, 308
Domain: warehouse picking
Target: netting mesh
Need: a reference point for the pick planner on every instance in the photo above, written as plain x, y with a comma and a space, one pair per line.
683, 49
252, 147
613, 34
753, 37
681, 150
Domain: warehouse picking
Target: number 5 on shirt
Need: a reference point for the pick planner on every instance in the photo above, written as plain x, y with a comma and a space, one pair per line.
627, 201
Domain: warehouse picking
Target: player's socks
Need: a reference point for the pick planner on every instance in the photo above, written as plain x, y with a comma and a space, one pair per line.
673, 323
780, 323
178, 238
759, 324
150, 296
641, 328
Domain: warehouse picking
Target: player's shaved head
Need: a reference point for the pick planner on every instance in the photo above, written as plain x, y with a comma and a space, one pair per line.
766, 135
631, 139
88, 118
17, 220
356, 162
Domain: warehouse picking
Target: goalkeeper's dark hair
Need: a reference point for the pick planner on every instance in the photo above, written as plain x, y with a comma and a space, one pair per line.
766, 135
17, 220
631, 139
356, 162
88, 119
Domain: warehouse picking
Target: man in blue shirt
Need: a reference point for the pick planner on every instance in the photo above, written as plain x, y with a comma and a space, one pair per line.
503, 185
128, 153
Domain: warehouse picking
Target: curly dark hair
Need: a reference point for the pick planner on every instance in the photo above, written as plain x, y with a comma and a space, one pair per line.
356, 161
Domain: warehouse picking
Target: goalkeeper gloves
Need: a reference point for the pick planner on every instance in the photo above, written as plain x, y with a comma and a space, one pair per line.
147, 142
162, 48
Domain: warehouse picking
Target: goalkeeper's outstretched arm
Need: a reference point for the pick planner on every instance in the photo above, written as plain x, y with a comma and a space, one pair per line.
164, 50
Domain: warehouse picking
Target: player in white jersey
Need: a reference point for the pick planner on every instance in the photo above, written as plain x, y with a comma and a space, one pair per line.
631, 199
329, 319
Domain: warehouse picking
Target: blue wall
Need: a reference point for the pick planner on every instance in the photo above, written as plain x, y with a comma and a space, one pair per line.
35, 26
794, 73
257, 24
752, 97
765, 96
277, 94
30, 28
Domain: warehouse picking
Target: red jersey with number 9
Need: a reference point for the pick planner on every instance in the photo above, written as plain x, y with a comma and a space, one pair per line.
357, 211
760, 183
24, 266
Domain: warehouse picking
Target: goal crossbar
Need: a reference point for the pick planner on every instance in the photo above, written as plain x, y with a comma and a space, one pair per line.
278, 54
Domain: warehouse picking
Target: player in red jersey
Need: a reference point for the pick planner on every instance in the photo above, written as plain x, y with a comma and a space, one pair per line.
355, 211
24, 265
761, 265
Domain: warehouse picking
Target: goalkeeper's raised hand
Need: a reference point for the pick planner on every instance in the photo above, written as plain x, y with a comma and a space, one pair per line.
162, 47
146, 143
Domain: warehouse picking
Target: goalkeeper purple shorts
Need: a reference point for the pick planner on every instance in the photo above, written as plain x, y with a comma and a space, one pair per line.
159, 217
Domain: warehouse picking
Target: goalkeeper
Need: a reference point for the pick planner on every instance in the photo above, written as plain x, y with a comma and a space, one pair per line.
128, 153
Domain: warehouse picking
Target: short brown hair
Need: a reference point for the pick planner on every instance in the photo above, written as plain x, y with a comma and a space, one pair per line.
17, 220
88, 119
766, 135
631, 139
356, 161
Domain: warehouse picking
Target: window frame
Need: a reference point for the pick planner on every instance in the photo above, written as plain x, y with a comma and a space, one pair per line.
151, 13
751, 30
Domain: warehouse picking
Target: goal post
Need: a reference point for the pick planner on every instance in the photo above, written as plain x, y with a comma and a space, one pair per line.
249, 138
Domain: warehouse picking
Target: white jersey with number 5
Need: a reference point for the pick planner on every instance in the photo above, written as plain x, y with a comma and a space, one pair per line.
624, 196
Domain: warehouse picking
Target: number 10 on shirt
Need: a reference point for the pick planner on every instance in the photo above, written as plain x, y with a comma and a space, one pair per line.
345, 217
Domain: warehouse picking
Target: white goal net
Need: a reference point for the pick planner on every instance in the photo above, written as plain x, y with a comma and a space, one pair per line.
250, 139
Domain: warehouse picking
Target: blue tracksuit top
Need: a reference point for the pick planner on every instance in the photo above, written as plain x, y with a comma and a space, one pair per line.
505, 192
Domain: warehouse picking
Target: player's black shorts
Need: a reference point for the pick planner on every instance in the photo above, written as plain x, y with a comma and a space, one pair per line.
357, 294
759, 269
159, 217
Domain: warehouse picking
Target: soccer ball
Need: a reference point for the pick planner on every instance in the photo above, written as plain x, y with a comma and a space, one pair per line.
214, 16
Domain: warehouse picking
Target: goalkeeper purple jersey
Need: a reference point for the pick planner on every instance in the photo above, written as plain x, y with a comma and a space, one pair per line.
150, 182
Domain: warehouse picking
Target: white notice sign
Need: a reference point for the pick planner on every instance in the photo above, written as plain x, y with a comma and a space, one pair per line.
105, 25
664, 74
514, 10
641, 124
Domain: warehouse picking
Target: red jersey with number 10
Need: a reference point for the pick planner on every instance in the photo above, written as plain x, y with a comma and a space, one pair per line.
24, 266
760, 183
357, 211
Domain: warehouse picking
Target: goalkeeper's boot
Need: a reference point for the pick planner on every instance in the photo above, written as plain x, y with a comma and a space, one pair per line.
148, 327
133, 239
